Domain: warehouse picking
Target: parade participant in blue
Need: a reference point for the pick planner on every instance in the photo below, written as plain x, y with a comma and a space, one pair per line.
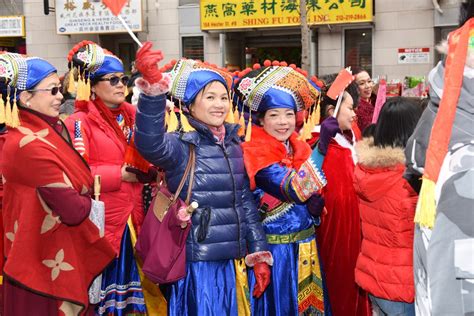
226, 226
102, 128
46, 203
286, 180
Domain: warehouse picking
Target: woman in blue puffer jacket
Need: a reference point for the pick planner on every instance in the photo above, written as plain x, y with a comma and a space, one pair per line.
226, 227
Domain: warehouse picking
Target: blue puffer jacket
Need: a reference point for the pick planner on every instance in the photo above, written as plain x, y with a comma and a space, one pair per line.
227, 223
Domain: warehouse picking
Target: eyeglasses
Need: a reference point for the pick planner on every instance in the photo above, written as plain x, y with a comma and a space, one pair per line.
53, 90
114, 80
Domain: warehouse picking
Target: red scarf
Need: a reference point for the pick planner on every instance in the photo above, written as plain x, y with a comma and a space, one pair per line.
264, 150
109, 115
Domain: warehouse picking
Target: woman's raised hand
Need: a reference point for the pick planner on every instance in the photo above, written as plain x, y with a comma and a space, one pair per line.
147, 63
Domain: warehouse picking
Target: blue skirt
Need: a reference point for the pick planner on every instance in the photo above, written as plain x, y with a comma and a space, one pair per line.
293, 291
121, 291
209, 288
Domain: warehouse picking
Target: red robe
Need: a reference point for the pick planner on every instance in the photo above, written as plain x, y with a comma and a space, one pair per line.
45, 256
340, 234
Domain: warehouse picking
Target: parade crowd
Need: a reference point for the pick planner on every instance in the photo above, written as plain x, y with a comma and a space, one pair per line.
257, 192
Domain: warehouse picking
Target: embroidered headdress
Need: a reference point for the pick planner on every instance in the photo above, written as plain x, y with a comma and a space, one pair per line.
91, 61
19, 73
277, 86
187, 78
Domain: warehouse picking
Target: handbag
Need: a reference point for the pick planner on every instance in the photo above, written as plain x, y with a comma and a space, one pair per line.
161, 243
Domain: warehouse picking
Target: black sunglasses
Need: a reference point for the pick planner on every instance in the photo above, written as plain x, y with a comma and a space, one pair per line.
114, 80
53, 90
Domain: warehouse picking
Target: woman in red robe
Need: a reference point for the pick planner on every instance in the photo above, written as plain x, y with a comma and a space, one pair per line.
340, 232
53, 251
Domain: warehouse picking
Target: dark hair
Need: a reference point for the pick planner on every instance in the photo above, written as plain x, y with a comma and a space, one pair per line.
358, 70
352, 89
396, 122
369, 131
96, 80
466, 11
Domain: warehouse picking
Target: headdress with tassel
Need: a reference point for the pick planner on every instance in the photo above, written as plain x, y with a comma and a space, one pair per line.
275, 85
90, 61
188, 78
18, 73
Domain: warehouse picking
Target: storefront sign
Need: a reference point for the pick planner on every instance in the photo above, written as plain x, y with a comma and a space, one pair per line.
12, 26
91, 16
414, 55
232, 14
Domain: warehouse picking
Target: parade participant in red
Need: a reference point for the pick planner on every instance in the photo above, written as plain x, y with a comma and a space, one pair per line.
387, 210
102, 128
339, 232
53, 251
365, 109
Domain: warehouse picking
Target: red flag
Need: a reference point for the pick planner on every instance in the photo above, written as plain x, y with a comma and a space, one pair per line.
114, 5
343, 79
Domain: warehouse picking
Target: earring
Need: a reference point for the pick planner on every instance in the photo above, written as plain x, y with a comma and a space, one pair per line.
92, 95
28, 105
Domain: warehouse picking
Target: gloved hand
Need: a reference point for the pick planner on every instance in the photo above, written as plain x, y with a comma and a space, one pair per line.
315, 205
143, 177
147, 63
262, 278
329, 129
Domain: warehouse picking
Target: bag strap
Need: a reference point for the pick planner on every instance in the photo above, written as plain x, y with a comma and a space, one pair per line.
190, 166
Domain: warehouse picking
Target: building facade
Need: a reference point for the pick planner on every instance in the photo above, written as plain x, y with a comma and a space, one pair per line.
399, 41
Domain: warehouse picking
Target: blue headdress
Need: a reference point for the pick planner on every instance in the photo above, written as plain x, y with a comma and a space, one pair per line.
277, 87
19, 73
92, 62
188, 78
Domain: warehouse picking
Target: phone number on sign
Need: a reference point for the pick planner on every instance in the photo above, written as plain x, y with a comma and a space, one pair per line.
350, 17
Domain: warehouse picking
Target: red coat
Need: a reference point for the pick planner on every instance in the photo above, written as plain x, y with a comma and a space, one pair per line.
105, 154
387, 208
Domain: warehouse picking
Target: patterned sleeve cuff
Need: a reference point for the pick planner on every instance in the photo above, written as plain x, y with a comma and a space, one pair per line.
259, 257
157, 88
308, 180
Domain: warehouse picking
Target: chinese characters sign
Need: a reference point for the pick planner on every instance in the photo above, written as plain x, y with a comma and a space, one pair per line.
228, 14
92, 16
12, 26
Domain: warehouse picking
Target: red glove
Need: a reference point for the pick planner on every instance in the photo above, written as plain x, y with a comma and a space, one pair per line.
147, 63
262, 278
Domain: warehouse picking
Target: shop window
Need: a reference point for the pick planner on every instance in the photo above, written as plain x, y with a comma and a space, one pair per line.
193, 47
358, 48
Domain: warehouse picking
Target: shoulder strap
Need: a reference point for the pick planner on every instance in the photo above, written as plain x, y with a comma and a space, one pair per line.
190, 166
